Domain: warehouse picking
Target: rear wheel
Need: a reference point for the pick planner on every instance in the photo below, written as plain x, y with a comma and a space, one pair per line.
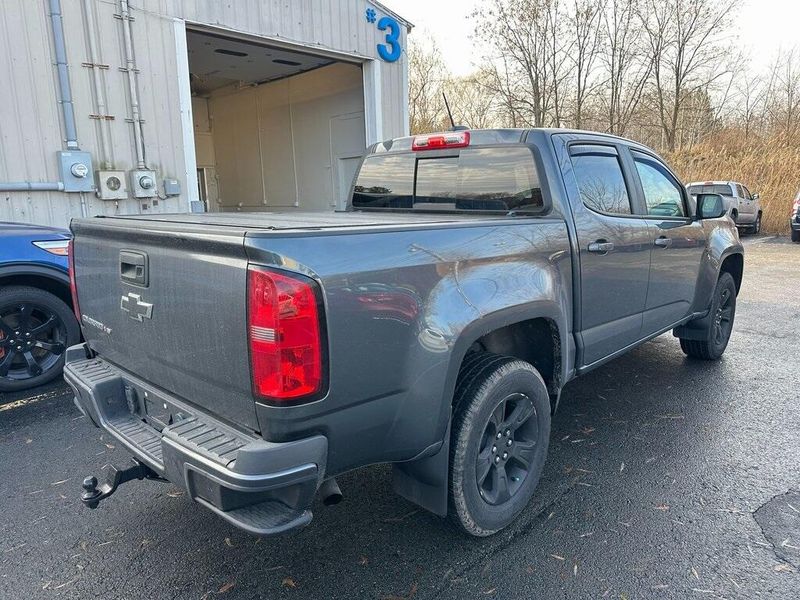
722, 314
796, 235
499, 440
36, 328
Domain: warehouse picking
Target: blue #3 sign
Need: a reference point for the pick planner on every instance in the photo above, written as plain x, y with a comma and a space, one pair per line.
391, 50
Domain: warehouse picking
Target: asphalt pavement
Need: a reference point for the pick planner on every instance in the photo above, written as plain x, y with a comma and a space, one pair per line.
667, 478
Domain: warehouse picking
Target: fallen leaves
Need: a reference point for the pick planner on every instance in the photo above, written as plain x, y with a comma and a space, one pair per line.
66, 583
226, 587
411, 593
288, 582
783, 568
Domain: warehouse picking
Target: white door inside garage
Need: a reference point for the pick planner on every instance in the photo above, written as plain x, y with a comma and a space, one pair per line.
274, 128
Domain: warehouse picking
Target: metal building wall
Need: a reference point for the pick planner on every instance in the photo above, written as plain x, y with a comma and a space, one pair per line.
31, 131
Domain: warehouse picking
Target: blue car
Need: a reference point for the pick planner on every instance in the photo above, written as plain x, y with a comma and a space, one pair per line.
37, 323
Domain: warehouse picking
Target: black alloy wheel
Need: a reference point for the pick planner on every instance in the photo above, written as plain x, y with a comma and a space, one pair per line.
721, 314
499, 438
36, 328
507, 449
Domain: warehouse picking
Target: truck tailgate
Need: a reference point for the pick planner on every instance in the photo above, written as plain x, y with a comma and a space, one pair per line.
167, 302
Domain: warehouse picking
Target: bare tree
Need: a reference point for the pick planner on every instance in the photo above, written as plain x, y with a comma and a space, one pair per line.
750, 101
687, 43
783, 93
473, 100
519, 34
426, 75
585, 27
628, 67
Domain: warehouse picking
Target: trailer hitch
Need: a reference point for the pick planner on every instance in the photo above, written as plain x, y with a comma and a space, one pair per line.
115, 476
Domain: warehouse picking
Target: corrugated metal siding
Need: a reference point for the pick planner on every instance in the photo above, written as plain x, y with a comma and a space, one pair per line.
30, 118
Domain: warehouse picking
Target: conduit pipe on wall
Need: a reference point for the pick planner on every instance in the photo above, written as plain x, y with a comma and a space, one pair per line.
99, 89
31, 186
130, 68
65, 91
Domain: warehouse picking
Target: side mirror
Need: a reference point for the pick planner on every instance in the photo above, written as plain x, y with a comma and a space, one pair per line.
710, 206
756, 196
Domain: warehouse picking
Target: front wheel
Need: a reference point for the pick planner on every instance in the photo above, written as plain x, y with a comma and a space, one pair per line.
36, 328
499, 440
722, 314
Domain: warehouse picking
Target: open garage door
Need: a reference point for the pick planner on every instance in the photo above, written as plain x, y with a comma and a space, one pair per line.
274, 128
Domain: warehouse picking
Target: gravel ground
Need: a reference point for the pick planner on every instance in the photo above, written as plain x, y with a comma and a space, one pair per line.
666, 478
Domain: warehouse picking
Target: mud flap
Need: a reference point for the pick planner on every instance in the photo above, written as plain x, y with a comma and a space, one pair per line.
425, 481
696, 329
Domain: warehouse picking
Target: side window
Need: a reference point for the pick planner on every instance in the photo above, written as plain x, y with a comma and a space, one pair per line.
600, 181
740, 192
747, 193
662, 194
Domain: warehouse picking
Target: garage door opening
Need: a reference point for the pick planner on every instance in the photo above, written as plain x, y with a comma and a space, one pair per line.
274, 129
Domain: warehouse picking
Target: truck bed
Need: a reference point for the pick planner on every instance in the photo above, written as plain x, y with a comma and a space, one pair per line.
308, 220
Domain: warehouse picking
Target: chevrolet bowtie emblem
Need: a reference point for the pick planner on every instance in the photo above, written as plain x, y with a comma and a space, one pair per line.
136, 309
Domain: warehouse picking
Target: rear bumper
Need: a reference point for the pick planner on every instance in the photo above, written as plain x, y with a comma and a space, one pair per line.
262, 487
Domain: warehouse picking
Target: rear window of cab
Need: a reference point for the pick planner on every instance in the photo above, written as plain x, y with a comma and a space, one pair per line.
723, 189
500, 179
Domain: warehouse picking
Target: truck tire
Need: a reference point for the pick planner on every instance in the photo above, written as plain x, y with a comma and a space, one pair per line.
796, 235
757, 225
722, 314
499, 439
41, 327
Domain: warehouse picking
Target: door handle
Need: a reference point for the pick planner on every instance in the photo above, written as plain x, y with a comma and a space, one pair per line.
663, 242
601, 247
133, 267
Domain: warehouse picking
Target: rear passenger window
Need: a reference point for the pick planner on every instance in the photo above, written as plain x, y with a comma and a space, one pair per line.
600, 181
662, 194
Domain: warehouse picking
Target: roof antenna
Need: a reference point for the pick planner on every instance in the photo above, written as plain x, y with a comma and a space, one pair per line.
449, 113
453, 126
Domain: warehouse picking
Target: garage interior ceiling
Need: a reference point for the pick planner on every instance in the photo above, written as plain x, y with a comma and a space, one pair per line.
216, 61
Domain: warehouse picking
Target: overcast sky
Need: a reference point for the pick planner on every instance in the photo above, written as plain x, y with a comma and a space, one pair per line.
761, 28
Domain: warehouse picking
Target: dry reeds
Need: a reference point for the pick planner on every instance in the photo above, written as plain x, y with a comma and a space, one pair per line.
769, 166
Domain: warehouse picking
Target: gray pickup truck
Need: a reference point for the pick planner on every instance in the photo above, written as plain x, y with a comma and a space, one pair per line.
252, 358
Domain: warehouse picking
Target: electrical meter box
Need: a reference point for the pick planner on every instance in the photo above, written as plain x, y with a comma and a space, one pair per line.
75, 171
111, 185
143, 182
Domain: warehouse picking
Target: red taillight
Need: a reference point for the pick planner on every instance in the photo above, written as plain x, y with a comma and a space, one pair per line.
455, 139
285, 331
73, 288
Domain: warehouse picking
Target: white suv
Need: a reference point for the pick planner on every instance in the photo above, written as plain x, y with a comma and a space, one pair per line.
743, 207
